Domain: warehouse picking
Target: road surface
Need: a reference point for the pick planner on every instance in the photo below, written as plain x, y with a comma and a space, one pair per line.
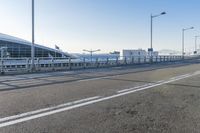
147, 98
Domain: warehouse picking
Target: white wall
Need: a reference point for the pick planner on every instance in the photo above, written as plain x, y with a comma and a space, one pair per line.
134, 53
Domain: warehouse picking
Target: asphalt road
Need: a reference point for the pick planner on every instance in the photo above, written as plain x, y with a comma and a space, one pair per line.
147, 98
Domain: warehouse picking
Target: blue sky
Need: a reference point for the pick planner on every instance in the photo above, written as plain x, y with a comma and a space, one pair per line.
108, 25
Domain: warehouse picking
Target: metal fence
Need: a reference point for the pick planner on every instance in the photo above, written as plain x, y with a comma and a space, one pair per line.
23, 65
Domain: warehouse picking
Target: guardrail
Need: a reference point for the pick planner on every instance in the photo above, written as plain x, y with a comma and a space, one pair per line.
23, 65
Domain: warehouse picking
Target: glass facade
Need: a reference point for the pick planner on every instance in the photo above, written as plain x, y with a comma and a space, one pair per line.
16, 50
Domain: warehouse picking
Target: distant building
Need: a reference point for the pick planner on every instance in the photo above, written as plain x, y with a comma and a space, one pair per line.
14, 47
138, 53
134, 53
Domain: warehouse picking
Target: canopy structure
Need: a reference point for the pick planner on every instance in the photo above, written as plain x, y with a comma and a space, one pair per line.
18, 48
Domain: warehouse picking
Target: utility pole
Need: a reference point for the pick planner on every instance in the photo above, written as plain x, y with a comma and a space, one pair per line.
195, 47
33, 38
183, 40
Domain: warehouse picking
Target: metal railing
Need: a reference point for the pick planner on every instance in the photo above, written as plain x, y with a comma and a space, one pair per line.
23, 65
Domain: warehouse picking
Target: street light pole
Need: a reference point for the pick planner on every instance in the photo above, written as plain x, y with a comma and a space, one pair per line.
195, 50
151, 46
183, 35
33, 38
91, 52
183, 40
151, 43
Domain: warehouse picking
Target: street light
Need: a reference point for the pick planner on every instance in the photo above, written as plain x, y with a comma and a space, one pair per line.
151, 46
195, 50
33, 39
91, 52
183, 39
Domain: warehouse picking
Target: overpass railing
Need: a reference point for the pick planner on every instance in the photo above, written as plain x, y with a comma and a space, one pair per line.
23, 65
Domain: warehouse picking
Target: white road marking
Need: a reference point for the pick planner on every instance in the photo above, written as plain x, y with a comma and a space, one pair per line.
91, 79
98, 99
179, 76
18, 78
2, 85
120, 91
29, 77
34, 75
27, 82
46, 109
55, 78
161, 82
11, 78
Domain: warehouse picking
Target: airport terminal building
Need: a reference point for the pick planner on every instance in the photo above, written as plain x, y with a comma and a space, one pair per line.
18, 48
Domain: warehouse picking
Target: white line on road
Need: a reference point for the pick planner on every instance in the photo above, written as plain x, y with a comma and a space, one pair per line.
47, 109
133, 88
161, 82
98, 78
51, 112
27, 82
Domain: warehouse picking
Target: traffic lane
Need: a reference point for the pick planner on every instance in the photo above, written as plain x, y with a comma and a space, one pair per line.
152, 76
144, 67
93, 72
131, 69
166, 108
24, 81
28, 83
27, 80
192, 82
31, 80
19, 101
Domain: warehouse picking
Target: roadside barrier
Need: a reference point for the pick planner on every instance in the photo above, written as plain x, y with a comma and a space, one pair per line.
23, 65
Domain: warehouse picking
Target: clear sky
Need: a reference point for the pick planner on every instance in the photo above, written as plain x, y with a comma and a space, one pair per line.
108, 25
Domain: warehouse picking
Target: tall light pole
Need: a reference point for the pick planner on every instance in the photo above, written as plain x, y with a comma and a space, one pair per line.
33, 38
183, 39
91, 52
195, 47
151, 46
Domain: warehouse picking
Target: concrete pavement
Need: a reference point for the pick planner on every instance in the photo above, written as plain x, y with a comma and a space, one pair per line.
156, 98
